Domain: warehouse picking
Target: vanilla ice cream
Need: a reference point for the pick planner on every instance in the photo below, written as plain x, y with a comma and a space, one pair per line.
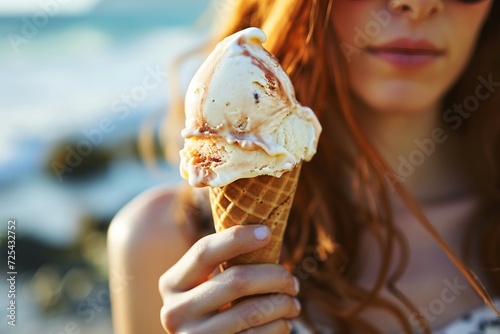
242, 117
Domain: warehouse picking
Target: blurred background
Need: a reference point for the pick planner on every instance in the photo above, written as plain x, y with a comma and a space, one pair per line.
78, 80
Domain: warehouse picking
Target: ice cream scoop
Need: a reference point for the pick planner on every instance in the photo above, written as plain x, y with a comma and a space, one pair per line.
246, 137
242, 116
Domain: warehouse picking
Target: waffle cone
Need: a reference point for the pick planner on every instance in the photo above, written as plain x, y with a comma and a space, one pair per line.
260, 200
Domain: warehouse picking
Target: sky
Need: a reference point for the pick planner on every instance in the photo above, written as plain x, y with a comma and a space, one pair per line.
16, 7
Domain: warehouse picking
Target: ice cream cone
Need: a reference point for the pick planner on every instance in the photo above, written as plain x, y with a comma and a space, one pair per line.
259, 200
240, 136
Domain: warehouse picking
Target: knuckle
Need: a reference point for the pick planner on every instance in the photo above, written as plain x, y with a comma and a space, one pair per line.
279, 299
239, 280
285, 326
287, 303
287, 282
169, 319
251, 316
281, 326
283, 281
164, 283
292, 307
173, 313
199, 250
236, 234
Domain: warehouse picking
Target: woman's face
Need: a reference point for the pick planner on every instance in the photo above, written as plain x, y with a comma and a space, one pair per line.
403, 55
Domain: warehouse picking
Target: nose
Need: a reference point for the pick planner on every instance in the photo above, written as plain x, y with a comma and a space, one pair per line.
415, 9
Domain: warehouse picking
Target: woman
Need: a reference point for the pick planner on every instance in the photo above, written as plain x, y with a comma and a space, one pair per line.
394, 216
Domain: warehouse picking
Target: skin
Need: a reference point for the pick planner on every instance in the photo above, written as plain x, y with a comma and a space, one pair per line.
145, 243
451, 26
395, 107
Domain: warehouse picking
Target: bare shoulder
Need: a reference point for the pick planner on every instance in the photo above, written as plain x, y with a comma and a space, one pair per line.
146, 225
144, 241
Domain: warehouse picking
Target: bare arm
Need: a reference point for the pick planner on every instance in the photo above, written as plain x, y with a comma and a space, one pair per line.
143, 242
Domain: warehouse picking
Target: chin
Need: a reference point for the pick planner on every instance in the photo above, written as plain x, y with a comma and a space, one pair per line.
401, 108
399, 99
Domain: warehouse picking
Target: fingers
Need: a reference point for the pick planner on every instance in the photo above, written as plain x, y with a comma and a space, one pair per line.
207, 253
256, 312
194, 302
275, 327
239, 281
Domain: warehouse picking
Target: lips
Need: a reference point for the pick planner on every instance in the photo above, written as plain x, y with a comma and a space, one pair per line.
408, 53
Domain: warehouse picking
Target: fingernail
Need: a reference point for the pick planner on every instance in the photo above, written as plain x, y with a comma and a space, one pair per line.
261, 232
296, 284
289, 324
297, 304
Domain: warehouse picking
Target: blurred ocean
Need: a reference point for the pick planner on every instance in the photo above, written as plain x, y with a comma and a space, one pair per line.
65, 78
75, 89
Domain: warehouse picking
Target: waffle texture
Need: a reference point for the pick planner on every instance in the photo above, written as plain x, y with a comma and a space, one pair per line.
260, 200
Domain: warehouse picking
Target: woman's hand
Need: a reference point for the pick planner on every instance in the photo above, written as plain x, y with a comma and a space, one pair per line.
194, 302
